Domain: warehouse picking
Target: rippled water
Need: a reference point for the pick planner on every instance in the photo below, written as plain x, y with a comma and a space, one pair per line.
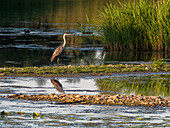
82, 115
47, 22
63, 115
29, 50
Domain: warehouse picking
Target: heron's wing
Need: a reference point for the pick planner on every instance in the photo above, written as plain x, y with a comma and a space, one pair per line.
57, 53
57, 85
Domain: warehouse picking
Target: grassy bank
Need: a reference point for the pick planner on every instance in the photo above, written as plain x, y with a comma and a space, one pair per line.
81, 70
142, 25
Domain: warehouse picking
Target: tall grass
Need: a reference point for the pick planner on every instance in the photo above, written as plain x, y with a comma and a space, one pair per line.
142, 25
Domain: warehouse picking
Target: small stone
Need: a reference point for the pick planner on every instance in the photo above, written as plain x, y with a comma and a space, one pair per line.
21, 96
146, 68
129, 100
15, 95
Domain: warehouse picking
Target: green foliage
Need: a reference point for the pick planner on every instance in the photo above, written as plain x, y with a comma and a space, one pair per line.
36, 115
142, 25
87, 28
157, 65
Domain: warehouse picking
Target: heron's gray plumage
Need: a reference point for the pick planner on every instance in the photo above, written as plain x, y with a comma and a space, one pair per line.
58, 51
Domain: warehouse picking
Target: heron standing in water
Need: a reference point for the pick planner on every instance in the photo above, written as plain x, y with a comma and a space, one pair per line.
58, 51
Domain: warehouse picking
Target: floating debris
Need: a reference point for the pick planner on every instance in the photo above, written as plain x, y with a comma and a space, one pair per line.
129, 100
26, 31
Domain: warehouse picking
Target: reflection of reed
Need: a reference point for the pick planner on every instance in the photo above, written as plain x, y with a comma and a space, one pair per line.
40, 13
134, 56
150, 85
57, 85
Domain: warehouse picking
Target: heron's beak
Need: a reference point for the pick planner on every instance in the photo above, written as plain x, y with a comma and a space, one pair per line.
70, 34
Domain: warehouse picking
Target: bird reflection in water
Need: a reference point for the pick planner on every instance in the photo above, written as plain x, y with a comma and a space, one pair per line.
57, 85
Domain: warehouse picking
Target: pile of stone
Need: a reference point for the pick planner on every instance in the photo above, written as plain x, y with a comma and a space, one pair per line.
129, 100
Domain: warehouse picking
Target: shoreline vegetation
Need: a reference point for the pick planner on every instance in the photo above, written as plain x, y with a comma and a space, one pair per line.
133, 26
136, 26
101, 99
84, 70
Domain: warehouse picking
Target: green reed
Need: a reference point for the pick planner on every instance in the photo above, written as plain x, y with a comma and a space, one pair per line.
142, 25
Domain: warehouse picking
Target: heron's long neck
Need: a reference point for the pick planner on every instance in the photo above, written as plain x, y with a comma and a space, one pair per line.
64, 40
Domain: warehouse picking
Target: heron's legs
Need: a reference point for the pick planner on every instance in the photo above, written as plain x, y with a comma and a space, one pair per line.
58, 61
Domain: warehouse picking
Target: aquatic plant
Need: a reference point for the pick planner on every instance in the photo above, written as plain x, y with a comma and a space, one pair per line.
142, 25
84, 69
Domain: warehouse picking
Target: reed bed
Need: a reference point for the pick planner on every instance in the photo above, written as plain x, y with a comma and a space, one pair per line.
142, 25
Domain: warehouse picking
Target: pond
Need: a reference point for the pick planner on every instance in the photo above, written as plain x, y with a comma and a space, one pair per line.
28, 50
58, 115
58, 14
45, 23
156, 84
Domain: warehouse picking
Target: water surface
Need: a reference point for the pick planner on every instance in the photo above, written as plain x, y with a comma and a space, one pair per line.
60, 115
47, 21
81, 50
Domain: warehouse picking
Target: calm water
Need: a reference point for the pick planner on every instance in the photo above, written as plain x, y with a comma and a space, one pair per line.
156, 84
81, 50
45, 14
47, 21
58, 115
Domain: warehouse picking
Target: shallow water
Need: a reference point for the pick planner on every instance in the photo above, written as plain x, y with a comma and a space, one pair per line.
47, 22
80, 50
82, 115
62, 115
38, 54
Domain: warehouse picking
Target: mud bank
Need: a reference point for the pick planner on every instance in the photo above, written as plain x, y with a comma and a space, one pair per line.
128, 100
